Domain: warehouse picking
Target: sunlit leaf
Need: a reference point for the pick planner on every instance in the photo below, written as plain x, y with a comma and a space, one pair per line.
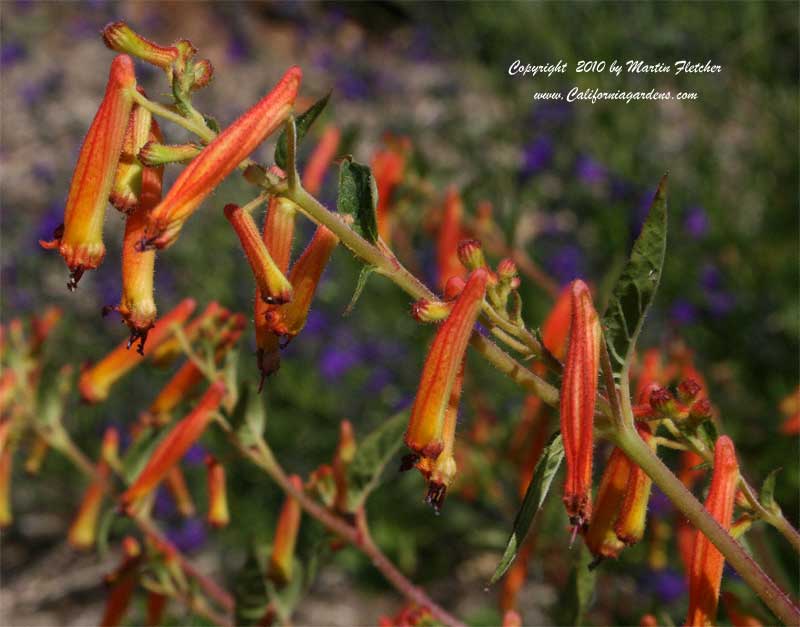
358, 196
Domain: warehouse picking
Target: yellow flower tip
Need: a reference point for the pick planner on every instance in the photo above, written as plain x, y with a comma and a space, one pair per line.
280, 563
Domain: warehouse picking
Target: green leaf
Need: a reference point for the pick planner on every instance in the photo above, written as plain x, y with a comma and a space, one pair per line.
248, 417
302, 123
767, 494
358, 196
104, 529
285, 599
250, 592
139, 453
707, 432
580, 589
637, 285
362, 282
535, 496
371, 457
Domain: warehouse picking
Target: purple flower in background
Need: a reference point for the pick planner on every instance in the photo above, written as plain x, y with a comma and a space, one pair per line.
10, 53
238, 48
668, 585
720, 303
695, 223
189, 535
196, 455
164, 504
380, 378
566, 263
590, 171
337, 361
659, 505
352, 86
683, 312
536, 156
710, 277
34, 91
553, 112
51, 220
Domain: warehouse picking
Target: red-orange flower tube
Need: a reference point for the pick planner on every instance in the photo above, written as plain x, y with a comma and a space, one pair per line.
220, 158
705, 575
289, 319
137, 305
424, 434
80, 240
218, 515
174, 446
320, 159
450, 234
119, 36
578, 397
95, 382
600, 537
128, 178
176, 484
83, 528
273, 285
280, 562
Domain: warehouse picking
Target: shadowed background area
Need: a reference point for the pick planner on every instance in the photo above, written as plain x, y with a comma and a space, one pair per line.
570, 184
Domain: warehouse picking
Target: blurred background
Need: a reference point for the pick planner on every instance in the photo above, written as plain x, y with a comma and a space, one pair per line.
570, 184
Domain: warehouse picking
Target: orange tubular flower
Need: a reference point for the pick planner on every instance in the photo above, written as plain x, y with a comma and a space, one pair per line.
205, 323
272, 283
80, 240
631, 521
578, 397
424, 435
137, 305
176, 483
600, 537
176, 390
128, 178
95, 383
121, 584
280, 563
36, 455
219, 159
174, 446
345, 451
555, 329
705, 575
217, 497
156, 604
289, 319
388, 166
6, 461
449, 236
42, 326
324, 152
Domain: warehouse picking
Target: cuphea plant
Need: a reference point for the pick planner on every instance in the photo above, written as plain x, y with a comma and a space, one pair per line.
580, 363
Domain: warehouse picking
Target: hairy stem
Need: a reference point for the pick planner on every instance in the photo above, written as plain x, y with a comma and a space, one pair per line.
357, 535
639, 452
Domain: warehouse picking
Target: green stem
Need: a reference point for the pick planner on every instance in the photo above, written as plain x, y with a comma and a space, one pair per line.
391, 268
201, 130
640, 453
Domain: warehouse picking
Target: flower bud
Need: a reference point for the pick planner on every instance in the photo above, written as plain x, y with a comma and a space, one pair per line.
320, 159
507, 270
203, 73
662, 402
578, 397
280, 563
217, 497
83, 530
345, 451
700, 410
176, 484
154, 153
219, 159
95, 382
172, 448
705, 574
470, 254
127, 184
450, 234
80, 239
120, 37
275, 288
425, 310
651, 373
688, 390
